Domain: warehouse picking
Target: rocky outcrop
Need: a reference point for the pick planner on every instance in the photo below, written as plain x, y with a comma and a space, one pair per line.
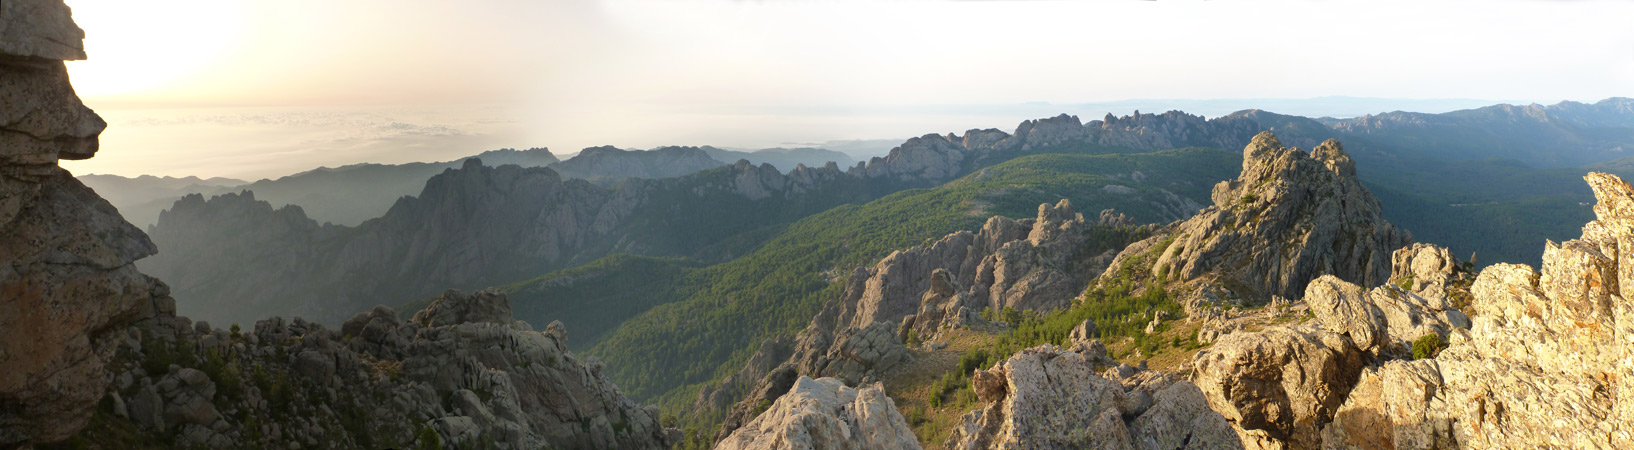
1384, 321
462, 373
1287, 219
1278, 387
610, 164
1045, 397
1545, 364
1036, 264
43, 120
824, 413
67, 286
1429, 269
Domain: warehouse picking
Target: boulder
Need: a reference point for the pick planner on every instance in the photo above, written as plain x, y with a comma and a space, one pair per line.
1046, 397
1384, 321
826, 414
1278, 387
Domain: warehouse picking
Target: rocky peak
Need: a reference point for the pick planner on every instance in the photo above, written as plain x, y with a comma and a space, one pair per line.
1290, 217
1052, 131
453, 307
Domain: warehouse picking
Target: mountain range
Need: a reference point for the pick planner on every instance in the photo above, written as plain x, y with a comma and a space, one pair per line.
349, 195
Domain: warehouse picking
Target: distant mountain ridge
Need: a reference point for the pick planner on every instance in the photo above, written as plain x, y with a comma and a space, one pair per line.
471, 226
1567, 134
347, 194
351, 194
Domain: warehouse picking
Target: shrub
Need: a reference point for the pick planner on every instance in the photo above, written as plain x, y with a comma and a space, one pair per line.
973, 359
1428, 346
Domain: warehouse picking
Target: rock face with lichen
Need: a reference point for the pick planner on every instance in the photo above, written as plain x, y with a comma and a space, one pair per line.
1290, 217
1546, 363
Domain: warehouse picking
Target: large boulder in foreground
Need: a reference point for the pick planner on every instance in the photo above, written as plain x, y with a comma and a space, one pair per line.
1278, 387
824, 413
1547, 363
1045, 397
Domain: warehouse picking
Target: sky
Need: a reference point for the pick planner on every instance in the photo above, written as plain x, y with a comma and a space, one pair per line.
263, 88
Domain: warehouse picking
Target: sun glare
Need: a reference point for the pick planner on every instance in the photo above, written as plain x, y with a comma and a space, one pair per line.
138, 50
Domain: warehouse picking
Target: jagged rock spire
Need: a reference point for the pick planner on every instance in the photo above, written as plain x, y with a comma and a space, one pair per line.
1290, 217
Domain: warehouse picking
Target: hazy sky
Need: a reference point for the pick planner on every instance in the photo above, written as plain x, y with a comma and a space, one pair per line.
267, 87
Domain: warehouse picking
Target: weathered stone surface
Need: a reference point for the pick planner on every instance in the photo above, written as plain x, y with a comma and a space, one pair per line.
42, 29
1278, 387
1045, 397
42, 120
1287, 219
67, 286
1384, 321
826, 414
1545, 364
1426, 268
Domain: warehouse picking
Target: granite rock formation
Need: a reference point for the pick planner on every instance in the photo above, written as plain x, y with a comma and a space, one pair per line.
1035, 264
1290, 217
824, 413
1545, 364
1046, 397
67, 286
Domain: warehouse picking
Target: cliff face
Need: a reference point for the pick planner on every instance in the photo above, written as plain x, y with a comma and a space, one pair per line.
67, 286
